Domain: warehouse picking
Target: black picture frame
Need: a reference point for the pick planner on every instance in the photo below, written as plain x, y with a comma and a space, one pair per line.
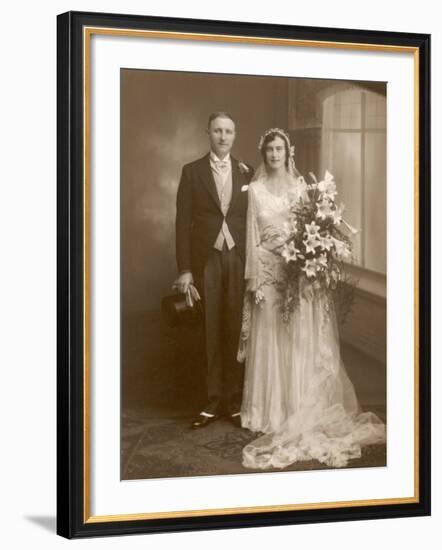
73, 520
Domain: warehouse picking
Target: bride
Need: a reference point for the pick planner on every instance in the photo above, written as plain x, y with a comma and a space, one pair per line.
296, 391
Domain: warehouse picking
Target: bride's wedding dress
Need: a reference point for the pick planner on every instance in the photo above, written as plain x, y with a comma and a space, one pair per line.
296, 390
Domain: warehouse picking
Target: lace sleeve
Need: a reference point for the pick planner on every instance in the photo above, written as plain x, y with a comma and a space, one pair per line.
252, 242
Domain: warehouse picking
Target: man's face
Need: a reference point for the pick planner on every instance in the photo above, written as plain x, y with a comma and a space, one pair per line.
221, 136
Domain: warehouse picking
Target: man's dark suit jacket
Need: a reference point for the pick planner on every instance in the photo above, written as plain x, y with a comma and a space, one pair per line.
199, 217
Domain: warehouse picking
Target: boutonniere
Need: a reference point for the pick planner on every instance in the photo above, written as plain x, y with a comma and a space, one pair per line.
244, 188
243, 168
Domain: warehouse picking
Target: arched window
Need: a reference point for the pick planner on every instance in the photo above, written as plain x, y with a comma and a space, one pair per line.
353, 149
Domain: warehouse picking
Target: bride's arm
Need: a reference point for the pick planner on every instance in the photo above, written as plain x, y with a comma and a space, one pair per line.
252, 243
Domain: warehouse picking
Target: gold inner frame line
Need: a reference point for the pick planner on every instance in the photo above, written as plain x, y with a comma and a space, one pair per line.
87, 34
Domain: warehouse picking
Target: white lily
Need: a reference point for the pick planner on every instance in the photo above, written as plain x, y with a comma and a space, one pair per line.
323, 209
326, 242
309, 268
289, 252
312, 229
310, 243
337, 214
342, 250
327, 186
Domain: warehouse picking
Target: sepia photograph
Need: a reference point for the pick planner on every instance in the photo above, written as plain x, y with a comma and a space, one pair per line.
243, 268
253, 252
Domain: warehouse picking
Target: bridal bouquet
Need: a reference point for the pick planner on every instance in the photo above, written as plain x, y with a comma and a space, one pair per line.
316, 245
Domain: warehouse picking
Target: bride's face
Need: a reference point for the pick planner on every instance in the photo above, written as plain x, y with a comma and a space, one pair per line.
275, 153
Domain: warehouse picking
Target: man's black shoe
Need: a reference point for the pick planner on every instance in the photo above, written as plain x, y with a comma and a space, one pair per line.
203, 421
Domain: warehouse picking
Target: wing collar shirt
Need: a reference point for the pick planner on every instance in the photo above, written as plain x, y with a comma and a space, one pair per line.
222, 174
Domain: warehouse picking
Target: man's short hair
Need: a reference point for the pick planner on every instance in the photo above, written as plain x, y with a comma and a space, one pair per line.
220, 114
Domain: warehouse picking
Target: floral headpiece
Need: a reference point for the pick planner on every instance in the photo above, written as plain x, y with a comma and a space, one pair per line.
284, 136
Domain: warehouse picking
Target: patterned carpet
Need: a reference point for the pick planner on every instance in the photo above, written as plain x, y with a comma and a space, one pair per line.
163, 388
159, 444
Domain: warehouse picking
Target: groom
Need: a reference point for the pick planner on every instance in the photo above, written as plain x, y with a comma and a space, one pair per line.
210, 250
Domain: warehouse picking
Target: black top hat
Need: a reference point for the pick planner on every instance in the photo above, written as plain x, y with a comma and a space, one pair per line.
178, 313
